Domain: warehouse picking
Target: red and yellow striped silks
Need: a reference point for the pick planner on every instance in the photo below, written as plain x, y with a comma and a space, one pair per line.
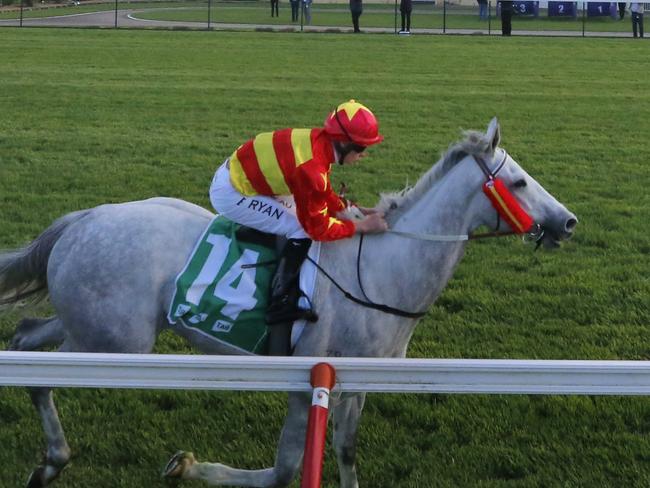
294, 162
264, 165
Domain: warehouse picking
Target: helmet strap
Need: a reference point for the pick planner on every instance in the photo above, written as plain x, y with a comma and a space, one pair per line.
342, 149
345, 131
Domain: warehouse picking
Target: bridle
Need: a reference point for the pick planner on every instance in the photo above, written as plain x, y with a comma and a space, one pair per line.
503, 202
490, 176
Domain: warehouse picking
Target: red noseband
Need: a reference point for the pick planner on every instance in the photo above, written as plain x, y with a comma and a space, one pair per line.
503, 200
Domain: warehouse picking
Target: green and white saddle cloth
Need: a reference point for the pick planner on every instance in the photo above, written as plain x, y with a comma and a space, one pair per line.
223, 294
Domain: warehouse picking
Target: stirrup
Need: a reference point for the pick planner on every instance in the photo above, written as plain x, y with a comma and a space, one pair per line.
283, 314
284, 308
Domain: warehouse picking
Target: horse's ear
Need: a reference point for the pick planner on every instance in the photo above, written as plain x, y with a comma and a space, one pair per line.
494, 134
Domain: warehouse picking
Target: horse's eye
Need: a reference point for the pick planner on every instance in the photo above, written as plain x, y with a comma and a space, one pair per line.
519, 183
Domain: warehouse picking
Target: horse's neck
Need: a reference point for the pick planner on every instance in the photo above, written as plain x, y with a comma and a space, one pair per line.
413, 272
404, 273
445, 208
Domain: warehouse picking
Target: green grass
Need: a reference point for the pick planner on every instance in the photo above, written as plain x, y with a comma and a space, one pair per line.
92, 116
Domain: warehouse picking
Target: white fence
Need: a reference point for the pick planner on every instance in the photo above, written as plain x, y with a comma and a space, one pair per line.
353, 374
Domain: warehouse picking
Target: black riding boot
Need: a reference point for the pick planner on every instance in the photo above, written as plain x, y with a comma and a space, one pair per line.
283, 309
284, 287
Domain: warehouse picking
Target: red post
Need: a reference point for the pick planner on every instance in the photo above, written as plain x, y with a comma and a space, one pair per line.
323, 378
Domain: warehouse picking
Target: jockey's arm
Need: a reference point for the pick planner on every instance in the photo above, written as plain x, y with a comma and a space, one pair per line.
313, 196
317, 205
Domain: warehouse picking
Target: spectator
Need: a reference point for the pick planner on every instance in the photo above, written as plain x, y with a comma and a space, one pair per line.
621, 10
506, 18
306, 11
405, 8
356, 8
637, 18
482, 9
295, 9
274, 8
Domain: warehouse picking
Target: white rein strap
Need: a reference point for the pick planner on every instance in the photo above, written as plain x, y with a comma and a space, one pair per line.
430, 237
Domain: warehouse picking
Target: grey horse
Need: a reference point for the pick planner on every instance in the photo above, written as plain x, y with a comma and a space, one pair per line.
111, 291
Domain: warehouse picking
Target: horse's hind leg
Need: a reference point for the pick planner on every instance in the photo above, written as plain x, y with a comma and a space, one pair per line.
346, 418
57, 455
58, 451
34, 334
287, 462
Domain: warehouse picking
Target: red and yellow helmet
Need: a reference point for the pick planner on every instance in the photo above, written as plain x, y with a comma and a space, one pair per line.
353, 122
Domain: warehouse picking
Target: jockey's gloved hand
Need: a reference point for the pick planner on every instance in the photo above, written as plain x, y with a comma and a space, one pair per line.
372, 224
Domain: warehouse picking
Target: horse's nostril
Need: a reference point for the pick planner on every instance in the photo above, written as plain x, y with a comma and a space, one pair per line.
570, 224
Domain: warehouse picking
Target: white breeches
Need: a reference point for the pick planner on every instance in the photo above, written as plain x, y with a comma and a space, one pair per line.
275, 215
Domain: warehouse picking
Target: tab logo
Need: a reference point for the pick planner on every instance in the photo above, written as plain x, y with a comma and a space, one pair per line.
222, 326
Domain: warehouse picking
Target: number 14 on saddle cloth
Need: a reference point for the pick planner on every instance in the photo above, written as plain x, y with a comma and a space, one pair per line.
222, 293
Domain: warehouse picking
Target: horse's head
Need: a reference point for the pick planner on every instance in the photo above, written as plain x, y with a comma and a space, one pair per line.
522, 205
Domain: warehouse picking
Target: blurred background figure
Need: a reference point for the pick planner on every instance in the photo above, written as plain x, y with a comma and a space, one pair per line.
274, 8
506, 18
482, 9
637, 18
356, 9
405, 8
295, 9
306, 11
621, 10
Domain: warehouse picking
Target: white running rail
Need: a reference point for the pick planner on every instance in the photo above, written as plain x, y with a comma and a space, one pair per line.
192, 372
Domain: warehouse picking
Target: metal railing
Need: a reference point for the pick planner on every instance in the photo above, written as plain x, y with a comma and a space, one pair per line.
428, 17
150, 371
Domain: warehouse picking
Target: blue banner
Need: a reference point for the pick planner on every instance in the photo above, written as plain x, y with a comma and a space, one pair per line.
601, 9
526, 8
562, 9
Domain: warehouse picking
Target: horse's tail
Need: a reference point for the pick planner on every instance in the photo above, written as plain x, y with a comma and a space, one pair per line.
23, 271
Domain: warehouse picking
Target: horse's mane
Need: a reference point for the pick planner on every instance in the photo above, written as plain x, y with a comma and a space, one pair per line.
474, 143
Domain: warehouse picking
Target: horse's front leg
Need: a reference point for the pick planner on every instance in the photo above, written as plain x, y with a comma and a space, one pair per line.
287, 462
346, 418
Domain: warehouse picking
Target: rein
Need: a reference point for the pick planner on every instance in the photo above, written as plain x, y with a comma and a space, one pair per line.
450, 238
367, 302
536, 233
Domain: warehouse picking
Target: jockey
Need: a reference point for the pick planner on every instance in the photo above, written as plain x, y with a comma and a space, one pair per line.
279, 182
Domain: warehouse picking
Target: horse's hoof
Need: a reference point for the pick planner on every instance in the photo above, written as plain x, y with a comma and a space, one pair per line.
35, 479
16, 343
43, 475
178, 464
26, 327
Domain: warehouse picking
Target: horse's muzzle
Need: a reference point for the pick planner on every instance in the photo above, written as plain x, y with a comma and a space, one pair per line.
553, 233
